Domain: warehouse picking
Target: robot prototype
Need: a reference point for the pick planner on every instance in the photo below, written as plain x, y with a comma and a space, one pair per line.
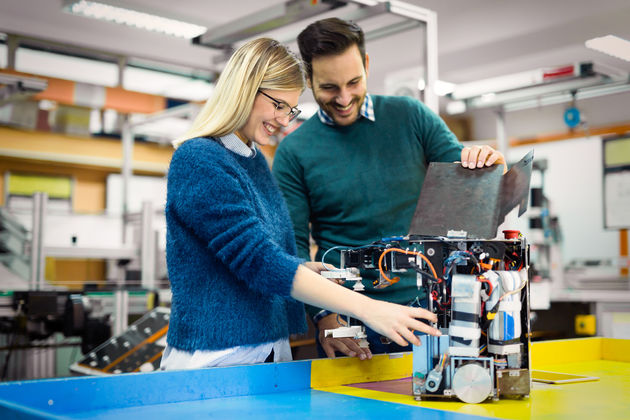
478, 288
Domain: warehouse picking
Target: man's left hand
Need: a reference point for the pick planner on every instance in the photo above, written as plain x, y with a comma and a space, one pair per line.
474, 157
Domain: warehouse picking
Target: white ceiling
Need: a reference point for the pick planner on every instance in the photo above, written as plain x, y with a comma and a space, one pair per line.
477, 38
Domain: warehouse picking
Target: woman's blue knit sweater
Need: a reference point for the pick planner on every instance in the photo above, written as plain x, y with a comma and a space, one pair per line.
230, 251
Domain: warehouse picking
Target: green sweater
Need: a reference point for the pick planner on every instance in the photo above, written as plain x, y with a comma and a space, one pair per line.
357, 184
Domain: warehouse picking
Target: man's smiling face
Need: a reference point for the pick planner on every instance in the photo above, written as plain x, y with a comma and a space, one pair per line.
339, 84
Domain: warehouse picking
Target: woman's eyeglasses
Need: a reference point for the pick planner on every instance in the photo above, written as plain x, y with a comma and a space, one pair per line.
283, 108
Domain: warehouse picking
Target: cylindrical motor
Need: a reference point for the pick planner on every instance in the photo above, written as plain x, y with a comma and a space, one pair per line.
434, 379
472, 383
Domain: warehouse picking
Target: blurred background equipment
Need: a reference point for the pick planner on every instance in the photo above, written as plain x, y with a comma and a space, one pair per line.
138, 349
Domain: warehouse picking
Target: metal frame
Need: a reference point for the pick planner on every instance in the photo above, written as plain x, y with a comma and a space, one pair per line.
38, 258
148, 247
147, 255
15, 41
276, 16
292, 11
14, 87
591, 82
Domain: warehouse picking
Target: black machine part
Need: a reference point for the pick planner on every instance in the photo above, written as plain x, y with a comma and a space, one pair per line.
39, 314
476, 202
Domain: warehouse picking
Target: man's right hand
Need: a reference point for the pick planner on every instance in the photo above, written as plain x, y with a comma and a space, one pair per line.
347, 346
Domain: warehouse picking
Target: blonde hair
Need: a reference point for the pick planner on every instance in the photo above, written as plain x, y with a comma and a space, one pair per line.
263, 63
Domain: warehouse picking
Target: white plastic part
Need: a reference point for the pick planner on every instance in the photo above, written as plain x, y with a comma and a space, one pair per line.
468, 333
355, 331
513, 306
350, 274
358, 286
503, 350
463, 351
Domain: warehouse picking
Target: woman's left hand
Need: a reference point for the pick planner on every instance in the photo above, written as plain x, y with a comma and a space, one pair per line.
318, 267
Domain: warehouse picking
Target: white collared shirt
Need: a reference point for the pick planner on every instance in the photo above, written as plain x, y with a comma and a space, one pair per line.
233, 143
174, 359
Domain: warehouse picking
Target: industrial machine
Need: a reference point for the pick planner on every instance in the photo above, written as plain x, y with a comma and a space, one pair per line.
477, 287
37, 314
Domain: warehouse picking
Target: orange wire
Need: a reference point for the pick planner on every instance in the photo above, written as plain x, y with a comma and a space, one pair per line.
380, 262
485, 280
485, 266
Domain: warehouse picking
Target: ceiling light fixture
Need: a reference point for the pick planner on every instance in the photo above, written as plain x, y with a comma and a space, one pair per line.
133, 18
522, 80
611, 45
546, 87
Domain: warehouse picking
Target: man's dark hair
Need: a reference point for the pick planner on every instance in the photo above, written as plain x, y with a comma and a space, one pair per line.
330, 36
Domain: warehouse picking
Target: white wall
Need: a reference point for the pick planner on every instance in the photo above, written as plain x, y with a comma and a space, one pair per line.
573, 184
405, 49
141, 188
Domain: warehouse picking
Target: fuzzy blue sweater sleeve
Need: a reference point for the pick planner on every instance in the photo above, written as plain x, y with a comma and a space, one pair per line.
222, 204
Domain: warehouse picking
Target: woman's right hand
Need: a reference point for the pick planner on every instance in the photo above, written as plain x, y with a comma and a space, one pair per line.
398, 322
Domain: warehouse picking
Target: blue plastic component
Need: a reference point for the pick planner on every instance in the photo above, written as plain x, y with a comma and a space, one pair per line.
572, 117
392, 238
508, 326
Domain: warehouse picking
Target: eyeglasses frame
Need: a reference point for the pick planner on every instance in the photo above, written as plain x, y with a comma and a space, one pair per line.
293, 111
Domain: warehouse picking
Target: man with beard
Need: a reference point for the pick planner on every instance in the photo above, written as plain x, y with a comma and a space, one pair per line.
355, 169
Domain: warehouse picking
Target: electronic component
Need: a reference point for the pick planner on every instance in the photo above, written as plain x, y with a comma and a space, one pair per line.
479, 290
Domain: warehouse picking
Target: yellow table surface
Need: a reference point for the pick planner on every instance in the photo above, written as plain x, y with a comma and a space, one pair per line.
607, 398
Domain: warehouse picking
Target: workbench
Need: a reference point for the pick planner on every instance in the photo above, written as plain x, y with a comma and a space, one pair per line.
323, 388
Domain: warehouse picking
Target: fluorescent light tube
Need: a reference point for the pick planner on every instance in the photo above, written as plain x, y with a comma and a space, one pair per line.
133, 18
611, 45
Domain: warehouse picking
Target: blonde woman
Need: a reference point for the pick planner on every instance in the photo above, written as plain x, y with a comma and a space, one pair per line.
234, 273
